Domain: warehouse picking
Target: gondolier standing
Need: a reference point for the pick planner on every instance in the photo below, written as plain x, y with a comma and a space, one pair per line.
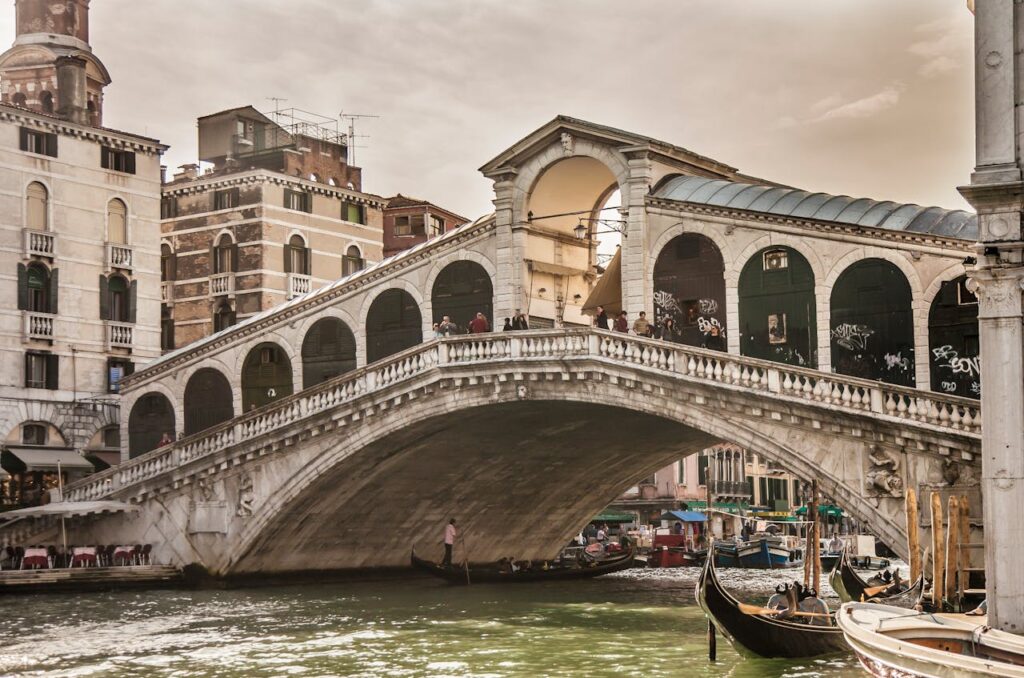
449, 542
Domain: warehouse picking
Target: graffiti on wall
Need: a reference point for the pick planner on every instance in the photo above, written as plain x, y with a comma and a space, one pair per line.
852, 337
896, 362
946, 357
693, 312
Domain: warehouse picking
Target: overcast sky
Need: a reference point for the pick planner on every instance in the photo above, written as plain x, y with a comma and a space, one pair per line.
863, 97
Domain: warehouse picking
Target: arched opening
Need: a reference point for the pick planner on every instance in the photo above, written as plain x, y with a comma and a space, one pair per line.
689, 288
208, 400
223, 317
328, 350
296, 256
168, 270
37, 200
777, 310
117, 299
151, 420
872, 333
117, 222
462, 289
225, 255
393, 324
19, 99
91, 109
39, 288
46, 101
266, 376
352, 261
953, 347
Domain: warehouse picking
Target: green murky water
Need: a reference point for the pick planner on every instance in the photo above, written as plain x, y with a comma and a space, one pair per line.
633, 623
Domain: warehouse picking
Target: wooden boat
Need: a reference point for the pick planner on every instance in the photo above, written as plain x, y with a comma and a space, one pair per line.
889, 642
762, 634
850, 586
669, 556
760, 553
491, 572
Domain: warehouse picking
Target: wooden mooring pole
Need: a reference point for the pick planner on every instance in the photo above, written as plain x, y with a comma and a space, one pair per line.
952, 551
913, 535
938, 548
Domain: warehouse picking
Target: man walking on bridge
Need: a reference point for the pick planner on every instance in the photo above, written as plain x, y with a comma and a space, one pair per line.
449, 542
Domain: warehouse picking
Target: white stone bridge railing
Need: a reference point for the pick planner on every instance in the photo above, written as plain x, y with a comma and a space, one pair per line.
861, 397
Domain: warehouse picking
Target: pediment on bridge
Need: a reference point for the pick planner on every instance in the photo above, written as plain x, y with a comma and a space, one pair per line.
563, 132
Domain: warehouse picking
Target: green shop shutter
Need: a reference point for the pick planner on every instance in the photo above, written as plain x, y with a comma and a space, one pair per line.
133, 293
52, 371
22, 288
104, 298
54, 284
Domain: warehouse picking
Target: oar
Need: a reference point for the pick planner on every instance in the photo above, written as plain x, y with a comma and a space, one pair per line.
754, 609
875, 590
465, 553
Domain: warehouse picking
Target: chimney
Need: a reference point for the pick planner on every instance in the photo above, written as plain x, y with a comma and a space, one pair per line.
188, 172
71, 98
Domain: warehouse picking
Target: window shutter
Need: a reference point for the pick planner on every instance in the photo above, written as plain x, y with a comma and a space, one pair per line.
361, 212
51, 145
105, 157
287, 260
52, 306
129, 162
234, 257
235, 196
52, 371
129, 368
307, 261
173, 266
133, 293
22, 287
104, 298
288, 198
28, 367
307, 202
24, 138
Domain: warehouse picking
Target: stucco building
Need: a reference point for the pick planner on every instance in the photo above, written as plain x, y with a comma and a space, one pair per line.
411, 221
279, 212
79, 222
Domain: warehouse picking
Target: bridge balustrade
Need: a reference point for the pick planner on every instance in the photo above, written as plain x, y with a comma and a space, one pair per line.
730, 371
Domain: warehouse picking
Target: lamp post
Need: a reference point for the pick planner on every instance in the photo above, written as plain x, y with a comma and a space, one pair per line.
582, 229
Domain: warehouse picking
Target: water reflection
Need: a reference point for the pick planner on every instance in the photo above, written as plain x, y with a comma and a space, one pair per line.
636, 622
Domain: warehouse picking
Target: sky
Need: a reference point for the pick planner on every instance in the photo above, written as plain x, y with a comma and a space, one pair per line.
869, 98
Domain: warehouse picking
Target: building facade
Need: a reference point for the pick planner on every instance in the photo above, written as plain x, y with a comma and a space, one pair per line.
279, 213
80, 226
410, 221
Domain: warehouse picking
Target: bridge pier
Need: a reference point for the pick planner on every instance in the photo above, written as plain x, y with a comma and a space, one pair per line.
997, 192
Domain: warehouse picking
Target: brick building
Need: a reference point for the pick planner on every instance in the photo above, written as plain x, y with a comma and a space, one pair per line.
410, 221
280, 212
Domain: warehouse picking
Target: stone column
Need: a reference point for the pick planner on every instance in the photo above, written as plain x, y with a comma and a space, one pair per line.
508, 282
997, 192
637, 293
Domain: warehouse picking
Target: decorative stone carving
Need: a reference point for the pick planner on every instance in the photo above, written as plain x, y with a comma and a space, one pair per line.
246, 496
998, 297
207, 492
883, 474
568, 144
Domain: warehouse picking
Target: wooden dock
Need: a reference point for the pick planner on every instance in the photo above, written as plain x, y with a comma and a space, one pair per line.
63, 580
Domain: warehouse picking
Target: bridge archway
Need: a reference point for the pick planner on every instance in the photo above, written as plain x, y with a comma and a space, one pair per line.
393, 324
777, 314
266, 375
953, 344
461, 290
689, 287
328, 350
872, 332
208, 400
151, 417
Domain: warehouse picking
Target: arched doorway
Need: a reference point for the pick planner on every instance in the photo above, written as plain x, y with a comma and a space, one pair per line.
953, 347
208, 400
689, 287
462, 289
872, 332
392, 325
151, 418
777, 314
266, 376
329, 349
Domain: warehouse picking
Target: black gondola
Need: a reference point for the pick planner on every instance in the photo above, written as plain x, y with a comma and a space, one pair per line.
850, 586
492, 573
762, 635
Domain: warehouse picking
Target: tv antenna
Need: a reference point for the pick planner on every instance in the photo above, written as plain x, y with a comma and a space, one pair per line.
277, 104
352, 117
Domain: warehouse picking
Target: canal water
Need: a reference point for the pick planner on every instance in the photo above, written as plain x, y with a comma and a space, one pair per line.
635, 623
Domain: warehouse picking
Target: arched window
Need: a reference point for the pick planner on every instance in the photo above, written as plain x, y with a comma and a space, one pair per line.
393, 324
954, 349
36, 206
225, 255
208, 400
266, 376
150, 421
296, 256
117, 299
328, 350
117, 222
33, 434
224, 317
168, 268
777, 312
37, 285
461, 290
19, 99
46, 101
166, 328
689, 288
352, 261
91, 108
331, 181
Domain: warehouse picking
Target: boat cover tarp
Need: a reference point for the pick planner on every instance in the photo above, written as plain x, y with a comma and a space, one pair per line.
685, 516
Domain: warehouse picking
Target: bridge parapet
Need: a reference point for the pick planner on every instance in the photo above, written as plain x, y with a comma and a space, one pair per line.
470, 355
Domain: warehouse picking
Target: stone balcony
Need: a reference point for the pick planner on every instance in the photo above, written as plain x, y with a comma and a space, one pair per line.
222, 284
119, 256
39, 243
299, 284
37, 325
120, 335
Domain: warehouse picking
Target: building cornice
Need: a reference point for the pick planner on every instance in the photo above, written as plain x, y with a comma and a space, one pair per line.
107, 137
260, 176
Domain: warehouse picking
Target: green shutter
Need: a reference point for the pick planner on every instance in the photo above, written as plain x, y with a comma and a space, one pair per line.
104, 157
52, 306
307, 261
287, 259
287, 198
22, 287
24, 138
51, 145
104, 298
133, 294
129, 162
52, 372
234, 257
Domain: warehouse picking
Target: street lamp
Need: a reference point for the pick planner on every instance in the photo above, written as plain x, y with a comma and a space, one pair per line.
615, 226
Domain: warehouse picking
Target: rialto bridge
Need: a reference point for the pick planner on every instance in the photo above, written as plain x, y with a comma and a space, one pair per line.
337, 431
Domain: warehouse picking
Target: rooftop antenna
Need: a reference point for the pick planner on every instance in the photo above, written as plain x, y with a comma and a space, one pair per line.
351, 117
277, 105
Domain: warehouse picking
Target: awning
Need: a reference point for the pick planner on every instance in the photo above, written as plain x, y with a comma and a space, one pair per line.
726, 506
826, 510
70, 508
24, 459
557, 269
685, 516
103, 459
614, 518
607, 291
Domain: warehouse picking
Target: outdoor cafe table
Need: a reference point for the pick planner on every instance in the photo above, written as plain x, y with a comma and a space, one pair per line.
125, 552
35, 557
83, 555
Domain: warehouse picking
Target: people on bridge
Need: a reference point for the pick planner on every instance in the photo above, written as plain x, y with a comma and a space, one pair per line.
479, 324
642, 326
449, 542
508, 325
714, 339
447, 328
601, 319
622, 323
166, 439
519, 321
667, 330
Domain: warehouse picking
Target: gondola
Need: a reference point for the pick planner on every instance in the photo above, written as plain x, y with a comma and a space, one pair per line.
850, 586
762, 635
491, 572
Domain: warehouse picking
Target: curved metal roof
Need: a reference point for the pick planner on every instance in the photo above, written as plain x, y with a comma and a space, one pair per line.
841, 209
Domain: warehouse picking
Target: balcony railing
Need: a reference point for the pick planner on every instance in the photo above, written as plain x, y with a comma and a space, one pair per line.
40, 243
167, 291
222, 284
298, 284
119, 256
120, 335
730, 488
37, 325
